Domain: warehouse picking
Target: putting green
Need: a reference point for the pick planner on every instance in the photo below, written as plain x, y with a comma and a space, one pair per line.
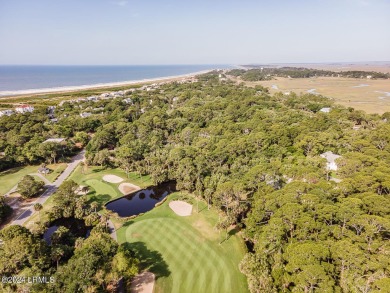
102, 187
184, 253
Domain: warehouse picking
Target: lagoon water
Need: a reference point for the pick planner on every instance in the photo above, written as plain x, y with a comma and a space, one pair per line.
18, 77
76, 227
141, 201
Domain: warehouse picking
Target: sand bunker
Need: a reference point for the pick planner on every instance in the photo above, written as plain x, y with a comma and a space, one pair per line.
142, 283
181, 208
112, 178
127, 188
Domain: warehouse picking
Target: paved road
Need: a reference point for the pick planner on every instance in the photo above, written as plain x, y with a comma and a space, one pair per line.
112, 230
50, 189
44, 179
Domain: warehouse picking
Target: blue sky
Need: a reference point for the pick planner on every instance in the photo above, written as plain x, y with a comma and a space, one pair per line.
193, 32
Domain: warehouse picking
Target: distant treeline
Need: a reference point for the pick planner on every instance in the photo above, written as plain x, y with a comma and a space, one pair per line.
258, 74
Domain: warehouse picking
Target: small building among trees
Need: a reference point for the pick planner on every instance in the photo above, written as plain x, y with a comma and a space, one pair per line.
331, 160
57, 140
43, 170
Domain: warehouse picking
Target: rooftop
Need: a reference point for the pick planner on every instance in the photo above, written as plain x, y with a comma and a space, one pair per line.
329, 156
57, 140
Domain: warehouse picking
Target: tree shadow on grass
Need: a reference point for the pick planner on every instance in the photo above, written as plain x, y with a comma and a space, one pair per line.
101, 199
11, 171
100, 169
229, 234
150, 260
233, 232
127, 224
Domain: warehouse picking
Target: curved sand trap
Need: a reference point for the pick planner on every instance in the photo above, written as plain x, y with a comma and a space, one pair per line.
127, 188
181, 208
112, 179
142, 283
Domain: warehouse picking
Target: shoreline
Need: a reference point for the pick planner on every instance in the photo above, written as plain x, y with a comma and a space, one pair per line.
64, 89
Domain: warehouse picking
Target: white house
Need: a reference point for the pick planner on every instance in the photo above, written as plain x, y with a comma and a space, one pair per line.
56, 140
85, 114
6, 113
325, 110
127, 101
43, 170
331, 160
24, 109
92, 98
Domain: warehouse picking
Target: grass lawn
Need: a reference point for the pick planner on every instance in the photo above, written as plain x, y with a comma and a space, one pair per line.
184, 252
346, 91
102, 191
35, 217
10, 178
57, 169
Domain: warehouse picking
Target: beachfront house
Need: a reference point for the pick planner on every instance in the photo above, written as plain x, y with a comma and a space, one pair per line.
129, 91
24, 109
6, 113
92, 98
51, 109
330, 160
127, 101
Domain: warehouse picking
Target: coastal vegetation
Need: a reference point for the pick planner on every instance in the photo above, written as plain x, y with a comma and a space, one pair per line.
250, 157
254, 73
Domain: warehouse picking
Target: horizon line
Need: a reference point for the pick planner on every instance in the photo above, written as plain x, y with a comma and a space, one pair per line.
205, 64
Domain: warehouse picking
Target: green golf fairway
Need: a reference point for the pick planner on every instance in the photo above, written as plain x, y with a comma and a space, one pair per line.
184, 252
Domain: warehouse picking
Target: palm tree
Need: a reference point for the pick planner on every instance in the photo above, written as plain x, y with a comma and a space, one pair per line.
85, 189
104, 219
56, 254
82, 165
38, 207
94, 206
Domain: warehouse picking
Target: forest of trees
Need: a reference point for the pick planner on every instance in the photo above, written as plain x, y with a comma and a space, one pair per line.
253, 73
256, 158
5, 210
94, 264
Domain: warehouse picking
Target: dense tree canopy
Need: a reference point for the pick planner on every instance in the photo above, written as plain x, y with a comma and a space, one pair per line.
29, 187
256, 157
257, 73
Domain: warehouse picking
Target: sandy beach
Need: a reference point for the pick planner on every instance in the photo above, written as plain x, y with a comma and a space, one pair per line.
29, 92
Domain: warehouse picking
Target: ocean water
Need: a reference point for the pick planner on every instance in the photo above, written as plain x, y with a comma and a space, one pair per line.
17, 78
